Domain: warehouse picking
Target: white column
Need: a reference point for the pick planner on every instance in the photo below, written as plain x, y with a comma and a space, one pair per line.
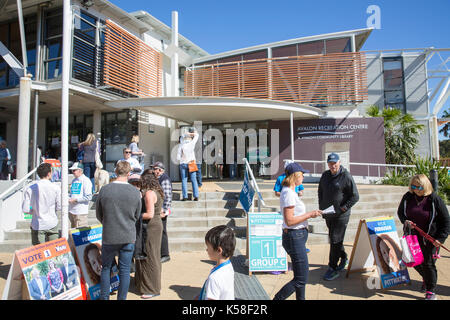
97, 124
23, 125
174, 62
66, 56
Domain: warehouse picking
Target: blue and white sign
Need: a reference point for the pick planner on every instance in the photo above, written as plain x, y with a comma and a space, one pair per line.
247, 194
387, 251
266, 252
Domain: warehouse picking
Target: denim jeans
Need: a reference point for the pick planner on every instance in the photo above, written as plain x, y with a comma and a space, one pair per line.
89, 171
294, 242
184, 173
427, 269
199, 174
109, 251
336, 234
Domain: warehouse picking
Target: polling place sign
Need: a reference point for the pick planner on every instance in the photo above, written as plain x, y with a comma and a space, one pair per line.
266, 252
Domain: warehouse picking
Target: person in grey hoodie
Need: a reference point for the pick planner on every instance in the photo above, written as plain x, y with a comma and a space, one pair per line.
338, 189
118, 207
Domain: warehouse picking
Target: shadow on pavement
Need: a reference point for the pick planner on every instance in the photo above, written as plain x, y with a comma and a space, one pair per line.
186, 292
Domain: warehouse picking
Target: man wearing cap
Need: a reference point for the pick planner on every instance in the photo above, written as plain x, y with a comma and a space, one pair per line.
338, 189
166, 185
80, 195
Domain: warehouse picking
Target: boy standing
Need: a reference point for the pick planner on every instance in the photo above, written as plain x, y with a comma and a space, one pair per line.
220, 243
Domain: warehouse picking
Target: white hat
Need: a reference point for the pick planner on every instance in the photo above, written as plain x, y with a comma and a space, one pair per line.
287, 162
77, 165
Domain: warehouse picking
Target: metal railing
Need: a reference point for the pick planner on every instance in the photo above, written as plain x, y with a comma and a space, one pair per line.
369, 165
19, 184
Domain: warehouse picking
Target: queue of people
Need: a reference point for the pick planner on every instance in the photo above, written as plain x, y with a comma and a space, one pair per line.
134, 209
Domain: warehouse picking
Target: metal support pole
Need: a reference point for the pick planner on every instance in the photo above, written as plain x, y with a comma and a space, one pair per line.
292, 136
23, 126
22, 37
66, 57
37, 77
174, 62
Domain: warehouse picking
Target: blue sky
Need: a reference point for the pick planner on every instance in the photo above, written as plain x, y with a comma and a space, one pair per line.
218, 26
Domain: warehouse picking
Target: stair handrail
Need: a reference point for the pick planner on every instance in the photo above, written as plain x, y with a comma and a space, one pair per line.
5, 193
255, 186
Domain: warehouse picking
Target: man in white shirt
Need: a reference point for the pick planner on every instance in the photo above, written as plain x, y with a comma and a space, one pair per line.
42, 200
135, 165
80, 195
185, 155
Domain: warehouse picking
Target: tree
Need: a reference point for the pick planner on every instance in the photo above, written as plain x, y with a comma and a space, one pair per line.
445, 130
444, 148
401, 132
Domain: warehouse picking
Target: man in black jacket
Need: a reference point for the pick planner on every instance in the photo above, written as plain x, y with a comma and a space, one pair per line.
338, 189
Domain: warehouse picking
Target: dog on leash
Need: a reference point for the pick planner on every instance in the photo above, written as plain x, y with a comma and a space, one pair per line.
101, 178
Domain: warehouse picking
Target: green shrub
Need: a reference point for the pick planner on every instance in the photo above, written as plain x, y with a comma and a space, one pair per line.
401, 177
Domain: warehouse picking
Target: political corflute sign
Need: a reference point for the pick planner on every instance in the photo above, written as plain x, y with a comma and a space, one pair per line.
88, 245
387, 251
266, 252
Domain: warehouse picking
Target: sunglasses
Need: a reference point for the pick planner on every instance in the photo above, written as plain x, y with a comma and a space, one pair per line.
127, 152
416, 187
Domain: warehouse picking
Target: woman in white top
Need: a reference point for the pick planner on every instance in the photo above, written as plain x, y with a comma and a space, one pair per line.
295, 232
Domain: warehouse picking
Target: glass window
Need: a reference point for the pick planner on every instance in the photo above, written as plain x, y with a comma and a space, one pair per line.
54, 48
285, 51
393, 76
53, 26
338, 45
315, 47
54, 69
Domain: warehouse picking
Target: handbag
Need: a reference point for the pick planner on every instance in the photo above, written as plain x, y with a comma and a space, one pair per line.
192, 166
412, 254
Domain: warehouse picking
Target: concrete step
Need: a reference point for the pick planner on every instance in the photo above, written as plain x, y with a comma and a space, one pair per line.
13, 245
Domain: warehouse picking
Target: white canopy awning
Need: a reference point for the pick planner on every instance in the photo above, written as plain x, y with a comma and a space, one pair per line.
218, 109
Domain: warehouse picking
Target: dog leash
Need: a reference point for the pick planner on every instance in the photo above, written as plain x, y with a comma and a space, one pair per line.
426, 235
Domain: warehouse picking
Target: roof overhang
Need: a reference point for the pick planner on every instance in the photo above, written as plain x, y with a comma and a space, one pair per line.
218, 109
361, 36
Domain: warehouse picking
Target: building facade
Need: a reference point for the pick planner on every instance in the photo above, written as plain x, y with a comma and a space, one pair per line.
132, 74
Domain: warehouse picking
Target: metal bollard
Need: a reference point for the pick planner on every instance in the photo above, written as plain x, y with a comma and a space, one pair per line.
434, 179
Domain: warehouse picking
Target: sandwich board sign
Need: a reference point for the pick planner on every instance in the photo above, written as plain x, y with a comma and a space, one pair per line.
266, 252
377, 242
88, 243
46, 271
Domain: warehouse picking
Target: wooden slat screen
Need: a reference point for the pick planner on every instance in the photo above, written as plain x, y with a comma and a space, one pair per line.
338, 78
130, 64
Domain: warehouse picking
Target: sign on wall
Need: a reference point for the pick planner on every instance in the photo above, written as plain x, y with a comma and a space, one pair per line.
266, 252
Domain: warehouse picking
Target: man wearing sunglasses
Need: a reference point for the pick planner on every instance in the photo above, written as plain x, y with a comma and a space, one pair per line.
135, 165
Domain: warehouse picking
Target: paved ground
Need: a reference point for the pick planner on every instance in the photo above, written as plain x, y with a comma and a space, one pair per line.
184, 274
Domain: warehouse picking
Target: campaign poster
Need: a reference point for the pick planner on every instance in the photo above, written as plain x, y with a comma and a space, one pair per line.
387, 251
56, 169
88, 246
266, 252
247, 194
50, 271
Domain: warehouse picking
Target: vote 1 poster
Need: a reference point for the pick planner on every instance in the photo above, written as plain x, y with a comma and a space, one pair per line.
50, 271
88, 245
387, 251
266, 252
